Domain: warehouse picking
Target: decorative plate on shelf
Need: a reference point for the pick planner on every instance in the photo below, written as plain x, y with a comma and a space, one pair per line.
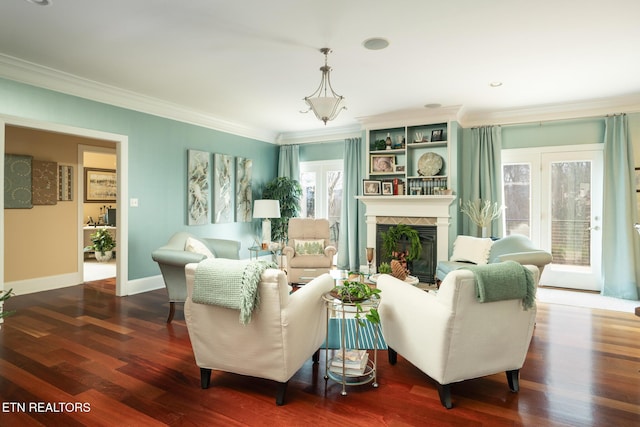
429, 164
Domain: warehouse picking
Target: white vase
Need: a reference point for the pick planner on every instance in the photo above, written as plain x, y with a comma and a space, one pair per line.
103, 256
485, 232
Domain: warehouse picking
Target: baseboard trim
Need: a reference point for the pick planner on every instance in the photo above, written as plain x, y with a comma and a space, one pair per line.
39, 284
145, 284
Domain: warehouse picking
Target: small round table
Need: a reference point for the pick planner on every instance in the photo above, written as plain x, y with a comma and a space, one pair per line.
337, 368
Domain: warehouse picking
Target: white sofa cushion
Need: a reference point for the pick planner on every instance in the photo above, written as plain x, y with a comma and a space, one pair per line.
471, 249
196, 246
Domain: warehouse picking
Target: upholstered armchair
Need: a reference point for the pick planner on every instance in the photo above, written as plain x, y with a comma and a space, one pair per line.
472, 250
182, 249
450, 336
308, 253
286, 329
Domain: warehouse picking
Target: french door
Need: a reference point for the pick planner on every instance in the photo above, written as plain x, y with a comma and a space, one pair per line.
321, 183
554, 196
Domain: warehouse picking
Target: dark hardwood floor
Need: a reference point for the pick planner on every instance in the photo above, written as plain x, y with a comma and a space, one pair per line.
81, 356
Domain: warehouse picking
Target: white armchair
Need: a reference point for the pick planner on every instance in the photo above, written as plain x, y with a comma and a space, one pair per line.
285, 330
452, 337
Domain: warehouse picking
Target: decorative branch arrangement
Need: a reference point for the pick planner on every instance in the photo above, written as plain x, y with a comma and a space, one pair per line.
481, 213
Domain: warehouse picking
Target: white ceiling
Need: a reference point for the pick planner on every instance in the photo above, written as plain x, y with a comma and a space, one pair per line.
250, 62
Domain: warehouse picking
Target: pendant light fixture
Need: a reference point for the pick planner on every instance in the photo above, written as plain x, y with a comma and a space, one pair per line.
325, 102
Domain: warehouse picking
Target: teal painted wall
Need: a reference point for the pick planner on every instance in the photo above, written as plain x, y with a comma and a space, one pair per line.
157, 164
542, 134
330, 150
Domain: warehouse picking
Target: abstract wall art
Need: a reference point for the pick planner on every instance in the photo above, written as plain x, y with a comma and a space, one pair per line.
223, 188
44, 177
198, 170
244, 199
17, 181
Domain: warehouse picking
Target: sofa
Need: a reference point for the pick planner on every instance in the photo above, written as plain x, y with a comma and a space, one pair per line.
285, 330
472, 250
184, 248
451, 336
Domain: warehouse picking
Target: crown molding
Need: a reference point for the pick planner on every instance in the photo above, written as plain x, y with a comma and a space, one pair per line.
48, 78
412, 117
319, 135
553, 112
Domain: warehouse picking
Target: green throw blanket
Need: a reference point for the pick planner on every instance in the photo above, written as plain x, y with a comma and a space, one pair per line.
503, 281
229, 283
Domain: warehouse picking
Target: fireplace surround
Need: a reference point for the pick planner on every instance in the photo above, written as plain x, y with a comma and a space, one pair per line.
428, 211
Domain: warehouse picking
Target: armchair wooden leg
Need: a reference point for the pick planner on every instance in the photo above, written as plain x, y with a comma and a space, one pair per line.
393, 356
513, 380
316, 356
282, 389
444, 391
172, 311
205, 377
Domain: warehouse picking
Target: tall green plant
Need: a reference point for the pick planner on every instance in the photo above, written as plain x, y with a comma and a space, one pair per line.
288, 192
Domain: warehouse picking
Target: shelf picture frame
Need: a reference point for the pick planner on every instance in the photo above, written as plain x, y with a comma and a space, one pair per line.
382, 163
371, 187
387, 188
100, 185
436, 135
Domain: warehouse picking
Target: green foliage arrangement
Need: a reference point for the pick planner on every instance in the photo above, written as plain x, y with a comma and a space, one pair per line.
355, 292
3, 297
391, 240
384, 268
288, 192
102, 241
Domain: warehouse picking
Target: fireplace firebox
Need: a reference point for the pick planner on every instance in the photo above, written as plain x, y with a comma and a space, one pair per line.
424, 268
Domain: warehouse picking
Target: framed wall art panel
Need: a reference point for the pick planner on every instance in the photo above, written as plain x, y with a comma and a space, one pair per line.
198, 173
223, 188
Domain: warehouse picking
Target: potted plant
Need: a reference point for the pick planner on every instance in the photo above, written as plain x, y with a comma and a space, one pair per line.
288, 192
355, 292
4, 296
481, 213
103, 244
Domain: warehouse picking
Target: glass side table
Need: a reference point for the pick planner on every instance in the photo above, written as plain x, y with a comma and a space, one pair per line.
256, 251
348, 366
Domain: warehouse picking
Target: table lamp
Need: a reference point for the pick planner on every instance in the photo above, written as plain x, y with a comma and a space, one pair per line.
266, 209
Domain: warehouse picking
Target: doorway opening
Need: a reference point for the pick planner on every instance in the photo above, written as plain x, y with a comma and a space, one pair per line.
71, 275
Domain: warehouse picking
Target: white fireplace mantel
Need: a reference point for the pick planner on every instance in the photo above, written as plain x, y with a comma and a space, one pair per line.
436, 207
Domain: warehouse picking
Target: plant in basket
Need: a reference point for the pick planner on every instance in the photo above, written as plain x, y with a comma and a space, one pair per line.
356, 292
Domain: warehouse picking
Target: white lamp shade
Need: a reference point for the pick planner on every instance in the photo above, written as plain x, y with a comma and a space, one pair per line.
266, 209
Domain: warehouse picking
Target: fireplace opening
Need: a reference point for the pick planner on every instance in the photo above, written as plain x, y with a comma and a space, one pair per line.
424, 268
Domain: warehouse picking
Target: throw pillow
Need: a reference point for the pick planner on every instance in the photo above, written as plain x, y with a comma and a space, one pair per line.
196, 246
471, 249
309, 247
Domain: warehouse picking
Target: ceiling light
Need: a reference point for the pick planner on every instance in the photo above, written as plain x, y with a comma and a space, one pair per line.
495, 84
433, 105
325, 102
375, 43
40, 2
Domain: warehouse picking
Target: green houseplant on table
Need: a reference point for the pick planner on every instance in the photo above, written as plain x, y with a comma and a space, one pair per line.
355, 292
103, 244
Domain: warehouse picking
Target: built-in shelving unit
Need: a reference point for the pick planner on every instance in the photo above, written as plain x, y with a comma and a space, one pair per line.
408, 160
